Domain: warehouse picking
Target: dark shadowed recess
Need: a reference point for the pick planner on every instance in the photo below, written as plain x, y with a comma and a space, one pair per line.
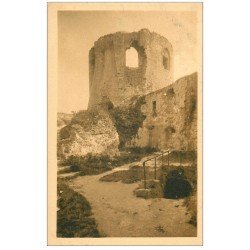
176, 185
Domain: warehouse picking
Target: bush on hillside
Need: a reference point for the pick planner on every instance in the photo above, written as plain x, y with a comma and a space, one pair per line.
73, 215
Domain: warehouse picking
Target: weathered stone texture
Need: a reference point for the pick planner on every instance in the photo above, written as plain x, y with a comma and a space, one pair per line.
89, 132
171, 117
111, 79
132, 107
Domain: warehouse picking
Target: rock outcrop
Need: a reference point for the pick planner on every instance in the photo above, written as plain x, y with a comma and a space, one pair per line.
88, 132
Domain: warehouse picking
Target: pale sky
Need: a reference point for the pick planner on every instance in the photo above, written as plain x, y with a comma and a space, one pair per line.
78, 30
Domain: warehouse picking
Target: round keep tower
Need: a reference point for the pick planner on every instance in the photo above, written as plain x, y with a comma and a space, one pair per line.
109, 77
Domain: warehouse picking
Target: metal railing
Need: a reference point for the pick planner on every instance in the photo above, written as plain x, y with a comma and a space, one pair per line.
155, 162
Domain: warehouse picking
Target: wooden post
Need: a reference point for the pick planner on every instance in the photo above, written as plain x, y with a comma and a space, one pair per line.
155, 168
144, 175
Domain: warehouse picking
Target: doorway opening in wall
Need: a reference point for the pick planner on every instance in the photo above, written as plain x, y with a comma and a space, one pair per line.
154, 109
132, 58
177, 186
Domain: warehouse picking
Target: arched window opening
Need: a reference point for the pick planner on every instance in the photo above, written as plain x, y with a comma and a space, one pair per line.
132, 58
166, 59
165, 62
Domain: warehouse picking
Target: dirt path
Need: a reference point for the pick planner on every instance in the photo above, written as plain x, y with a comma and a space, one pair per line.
120, 214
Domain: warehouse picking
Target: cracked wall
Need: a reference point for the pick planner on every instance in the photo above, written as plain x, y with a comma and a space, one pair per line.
171, 117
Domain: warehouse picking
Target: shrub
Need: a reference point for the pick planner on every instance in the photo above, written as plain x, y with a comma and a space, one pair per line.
73, 216
89, 164
184, 156
85, 118
96, 164
74, 168
65, 132
142, 151
128, 120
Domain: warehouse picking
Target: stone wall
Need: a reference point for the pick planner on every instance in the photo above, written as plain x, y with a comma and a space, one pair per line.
163, 119
171, 117
110, 78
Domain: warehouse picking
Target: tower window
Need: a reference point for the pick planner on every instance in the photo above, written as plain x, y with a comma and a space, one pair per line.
132, 58
166, 59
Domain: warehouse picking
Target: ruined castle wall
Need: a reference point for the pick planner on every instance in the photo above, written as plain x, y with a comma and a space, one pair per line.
171, 117
109, 77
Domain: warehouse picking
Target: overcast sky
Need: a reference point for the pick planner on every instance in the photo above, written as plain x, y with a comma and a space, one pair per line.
78, 30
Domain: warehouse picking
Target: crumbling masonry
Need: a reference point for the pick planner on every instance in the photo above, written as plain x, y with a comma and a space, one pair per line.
169, 108
109, 77
145, 107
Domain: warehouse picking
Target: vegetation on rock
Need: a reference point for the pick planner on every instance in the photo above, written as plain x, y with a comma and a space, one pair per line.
96, 164
64, 133
128, 120
85, 118
132, 175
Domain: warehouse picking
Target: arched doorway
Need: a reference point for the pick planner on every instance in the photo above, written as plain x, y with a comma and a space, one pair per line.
176, 185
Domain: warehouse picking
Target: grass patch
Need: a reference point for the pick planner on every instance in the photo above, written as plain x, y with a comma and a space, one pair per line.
89, 164
97, 164
73, 216
132, 175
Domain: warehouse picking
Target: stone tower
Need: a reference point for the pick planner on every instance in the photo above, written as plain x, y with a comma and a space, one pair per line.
109, 77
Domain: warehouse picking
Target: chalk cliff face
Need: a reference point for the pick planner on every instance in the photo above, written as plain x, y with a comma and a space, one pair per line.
111, 79
88, 132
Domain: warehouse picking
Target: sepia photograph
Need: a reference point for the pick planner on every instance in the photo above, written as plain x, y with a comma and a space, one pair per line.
125, 124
